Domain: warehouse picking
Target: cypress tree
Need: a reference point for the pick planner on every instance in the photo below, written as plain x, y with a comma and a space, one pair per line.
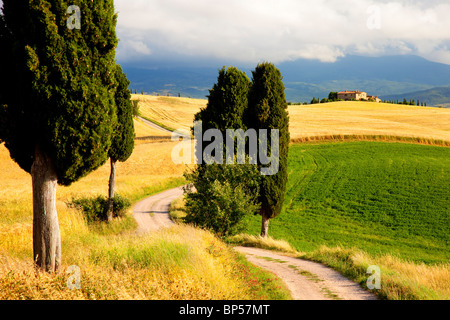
57, 101
227, 101
268, 110
123, 136
212, 206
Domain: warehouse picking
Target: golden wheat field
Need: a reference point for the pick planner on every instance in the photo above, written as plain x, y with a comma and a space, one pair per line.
365, 118
148, 170
351, 118
175, 113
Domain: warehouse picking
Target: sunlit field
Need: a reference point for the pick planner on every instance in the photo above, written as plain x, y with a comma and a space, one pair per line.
328, 120
149, 169
174, 113
368, 118
115, 263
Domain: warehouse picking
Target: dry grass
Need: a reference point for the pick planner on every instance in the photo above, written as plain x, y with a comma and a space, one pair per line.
146, 134
149, 169
323, 121
180, 263
382, 138
174, 113
174, 264
400, 280
369, 119
269, 243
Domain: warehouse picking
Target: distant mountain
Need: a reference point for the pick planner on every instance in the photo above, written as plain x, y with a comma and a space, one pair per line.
304, 79
433, 97
380, 76
193, 82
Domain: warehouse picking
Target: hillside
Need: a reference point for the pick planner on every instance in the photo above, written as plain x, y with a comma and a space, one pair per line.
173, 113
322, 120
375, 196
432, 97
303, 79
355, 204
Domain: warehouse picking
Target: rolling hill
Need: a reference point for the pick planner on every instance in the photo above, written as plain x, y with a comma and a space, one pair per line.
439, 96
303, 79
321, 120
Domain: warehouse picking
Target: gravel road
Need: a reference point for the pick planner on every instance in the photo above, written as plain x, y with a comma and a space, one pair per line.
152, 213
305, 279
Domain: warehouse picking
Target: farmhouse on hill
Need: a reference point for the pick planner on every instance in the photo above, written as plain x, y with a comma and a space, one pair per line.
356, 95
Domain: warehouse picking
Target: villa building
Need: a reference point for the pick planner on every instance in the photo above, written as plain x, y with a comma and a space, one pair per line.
352, 95
356, 95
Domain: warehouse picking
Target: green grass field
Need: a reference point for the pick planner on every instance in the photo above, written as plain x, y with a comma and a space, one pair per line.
381, 198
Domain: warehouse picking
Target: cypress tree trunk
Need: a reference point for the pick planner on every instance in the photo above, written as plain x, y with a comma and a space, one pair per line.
265, 222
112, 182
46, 234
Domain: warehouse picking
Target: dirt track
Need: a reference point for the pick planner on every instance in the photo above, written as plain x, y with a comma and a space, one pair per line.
152, 213
305, 279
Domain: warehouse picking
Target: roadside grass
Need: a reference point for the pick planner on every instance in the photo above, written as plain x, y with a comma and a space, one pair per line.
176, 210
400, 279
175, 264
269, 243
146, 134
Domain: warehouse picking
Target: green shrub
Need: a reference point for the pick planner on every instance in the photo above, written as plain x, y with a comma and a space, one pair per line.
226, 195
95, 209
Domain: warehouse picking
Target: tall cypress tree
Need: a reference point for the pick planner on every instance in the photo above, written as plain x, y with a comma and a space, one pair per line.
56, 100
227, 101
123, 137
268, 110
214, 205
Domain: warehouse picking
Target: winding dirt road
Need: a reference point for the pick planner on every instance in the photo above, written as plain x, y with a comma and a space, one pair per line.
305, 279
152, 213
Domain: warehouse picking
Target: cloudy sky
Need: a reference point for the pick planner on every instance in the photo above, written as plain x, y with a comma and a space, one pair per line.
249, 31
279, 30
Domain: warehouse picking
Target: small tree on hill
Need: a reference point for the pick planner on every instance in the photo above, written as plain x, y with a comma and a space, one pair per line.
56, 100
314, 100
268, 110
123, 136
333, 96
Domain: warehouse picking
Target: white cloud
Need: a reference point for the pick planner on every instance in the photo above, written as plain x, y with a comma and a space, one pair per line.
279, 30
